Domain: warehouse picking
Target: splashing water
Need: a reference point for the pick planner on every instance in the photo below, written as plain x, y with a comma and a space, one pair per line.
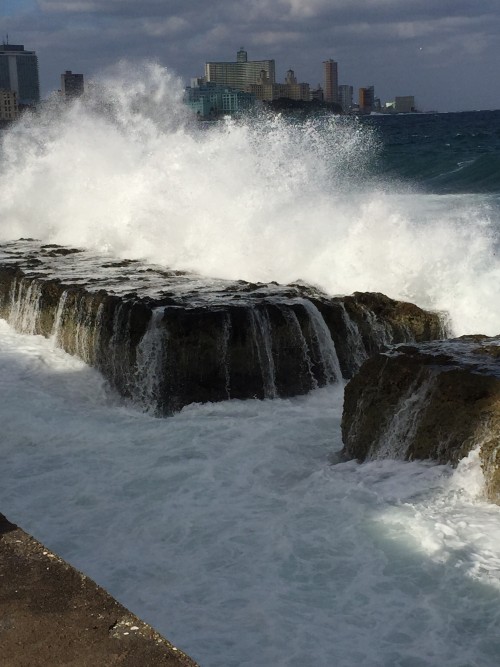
230, 514
127, 171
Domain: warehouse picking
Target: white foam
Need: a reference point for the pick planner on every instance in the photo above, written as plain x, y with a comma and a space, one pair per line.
232, 515
128, 173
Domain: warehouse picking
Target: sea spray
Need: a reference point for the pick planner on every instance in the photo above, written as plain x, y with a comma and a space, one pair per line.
126, 170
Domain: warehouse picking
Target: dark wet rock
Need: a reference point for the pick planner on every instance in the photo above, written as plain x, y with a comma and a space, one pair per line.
169, 338
51, 614
434, 401
53, 250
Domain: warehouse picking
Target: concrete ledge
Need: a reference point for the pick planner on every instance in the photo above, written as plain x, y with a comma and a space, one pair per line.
51, 614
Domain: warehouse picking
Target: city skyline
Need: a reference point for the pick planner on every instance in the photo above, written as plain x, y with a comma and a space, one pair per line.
444, 55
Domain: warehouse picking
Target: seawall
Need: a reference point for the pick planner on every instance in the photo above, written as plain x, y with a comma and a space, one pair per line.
51, 615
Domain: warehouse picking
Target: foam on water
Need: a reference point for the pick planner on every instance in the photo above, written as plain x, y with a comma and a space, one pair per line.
126, 171
229, 529
227, 526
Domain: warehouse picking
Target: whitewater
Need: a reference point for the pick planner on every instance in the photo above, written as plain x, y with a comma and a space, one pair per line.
233, 528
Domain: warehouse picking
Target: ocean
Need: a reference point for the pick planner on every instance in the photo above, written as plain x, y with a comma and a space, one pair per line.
232, 527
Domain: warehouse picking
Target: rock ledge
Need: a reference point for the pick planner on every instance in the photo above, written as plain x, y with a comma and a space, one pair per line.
436, 400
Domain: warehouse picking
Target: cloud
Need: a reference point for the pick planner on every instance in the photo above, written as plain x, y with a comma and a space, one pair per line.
165, 27
371, 39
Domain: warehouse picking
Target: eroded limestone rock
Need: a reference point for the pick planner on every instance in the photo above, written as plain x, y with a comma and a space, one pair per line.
434, 401
168, 338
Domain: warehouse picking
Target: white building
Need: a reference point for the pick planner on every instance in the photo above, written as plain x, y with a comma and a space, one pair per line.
241, 73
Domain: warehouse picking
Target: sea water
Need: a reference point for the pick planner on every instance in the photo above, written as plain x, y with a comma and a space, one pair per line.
232, 527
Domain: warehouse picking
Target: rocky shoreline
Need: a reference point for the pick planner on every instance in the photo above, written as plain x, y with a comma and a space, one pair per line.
437, 400
166, 338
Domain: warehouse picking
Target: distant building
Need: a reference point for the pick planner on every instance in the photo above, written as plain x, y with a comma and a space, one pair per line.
8, 105
211, 100
366, 99
404, 104
331, 77
19, 73
268, 91
71, 84
198, 81
241, 73
346, 98
317, 93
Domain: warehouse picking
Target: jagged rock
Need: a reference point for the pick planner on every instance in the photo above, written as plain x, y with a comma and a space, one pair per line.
434, 401
169, 338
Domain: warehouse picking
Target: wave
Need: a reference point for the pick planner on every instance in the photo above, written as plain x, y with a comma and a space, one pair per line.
126, 170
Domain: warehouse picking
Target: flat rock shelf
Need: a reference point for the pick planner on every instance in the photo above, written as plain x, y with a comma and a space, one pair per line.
167, 338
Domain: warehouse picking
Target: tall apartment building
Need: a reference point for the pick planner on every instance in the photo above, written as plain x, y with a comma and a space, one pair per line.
19, 73
71, 84
331, 77
241, 73
8, 105
366, 99
346, 98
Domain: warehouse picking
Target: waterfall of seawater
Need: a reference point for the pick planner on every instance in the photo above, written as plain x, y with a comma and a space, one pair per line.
262, 336
24, 305
322, 340
354, 339
400, 430
150, 362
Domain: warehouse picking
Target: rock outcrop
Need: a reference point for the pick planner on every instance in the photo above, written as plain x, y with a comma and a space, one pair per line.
169, 338
434, 401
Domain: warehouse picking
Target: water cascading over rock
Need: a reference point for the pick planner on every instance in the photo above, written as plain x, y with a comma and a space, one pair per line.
437, 401
169, 338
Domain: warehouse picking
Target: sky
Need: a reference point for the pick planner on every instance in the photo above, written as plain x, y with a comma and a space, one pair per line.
445, 53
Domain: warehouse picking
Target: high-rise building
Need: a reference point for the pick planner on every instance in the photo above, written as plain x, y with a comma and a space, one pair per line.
366, 99
71, 84
241, 73
331, 76
19, 73
345, 98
